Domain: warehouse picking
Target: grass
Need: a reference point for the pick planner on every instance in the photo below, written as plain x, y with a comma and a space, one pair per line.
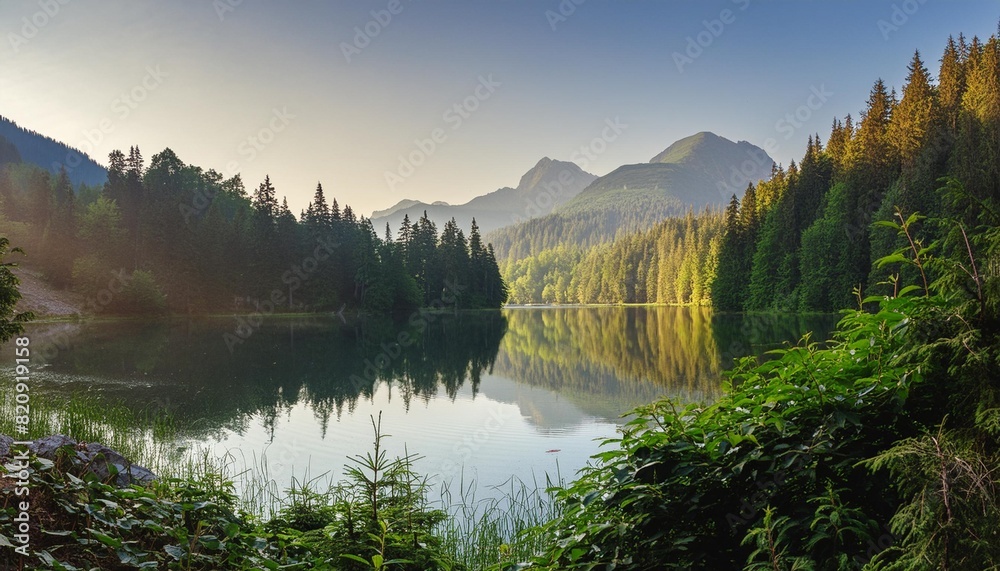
480, 533
484, 533
146, 438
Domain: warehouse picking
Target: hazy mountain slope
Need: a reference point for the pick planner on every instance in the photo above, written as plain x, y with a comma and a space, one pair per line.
697, 172
50, 154
548, 184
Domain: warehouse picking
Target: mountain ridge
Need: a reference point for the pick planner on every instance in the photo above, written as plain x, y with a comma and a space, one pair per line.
52, 155
698, 172
548, 184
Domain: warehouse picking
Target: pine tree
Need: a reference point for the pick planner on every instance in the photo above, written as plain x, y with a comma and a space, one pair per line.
978, 142
911, 119
319, 213
478, 265
727, 287
265, 202
951, 85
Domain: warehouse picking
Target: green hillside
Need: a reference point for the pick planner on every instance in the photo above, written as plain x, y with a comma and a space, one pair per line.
697, 173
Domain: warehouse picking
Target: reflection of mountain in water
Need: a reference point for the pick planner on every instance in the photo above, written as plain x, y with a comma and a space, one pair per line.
550, 412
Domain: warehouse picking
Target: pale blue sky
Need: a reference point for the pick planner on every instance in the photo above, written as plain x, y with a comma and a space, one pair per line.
212, 74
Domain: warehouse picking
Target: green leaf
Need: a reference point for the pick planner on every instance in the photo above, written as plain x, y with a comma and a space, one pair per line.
896, 258
105, 539
887, 224
353, 557
175, 551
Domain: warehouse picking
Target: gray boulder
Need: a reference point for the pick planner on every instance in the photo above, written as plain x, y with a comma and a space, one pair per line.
99, 459
89, 458
48, 446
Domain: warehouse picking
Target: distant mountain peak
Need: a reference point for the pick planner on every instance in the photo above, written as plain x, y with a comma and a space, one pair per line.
698, 171
683, 149
548, 184
548, 170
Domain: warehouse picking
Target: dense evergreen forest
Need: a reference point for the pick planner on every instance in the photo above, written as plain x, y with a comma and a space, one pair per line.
174, 237
805, 238
672, 263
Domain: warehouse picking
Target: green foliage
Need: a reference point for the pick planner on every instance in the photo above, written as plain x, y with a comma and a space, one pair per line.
671, 263
141, 295
209, 243
11, 322
172, 524
832, 457
684, 488
379, 518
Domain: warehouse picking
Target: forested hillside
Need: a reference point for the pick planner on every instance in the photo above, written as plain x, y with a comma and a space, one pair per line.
50, 154
806, 237
812, 246
693, 174
169, 236
672, 263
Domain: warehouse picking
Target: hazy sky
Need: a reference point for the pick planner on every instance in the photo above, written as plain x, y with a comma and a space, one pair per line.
338, 91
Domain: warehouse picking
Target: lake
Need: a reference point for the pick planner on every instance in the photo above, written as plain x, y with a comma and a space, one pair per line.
481, 396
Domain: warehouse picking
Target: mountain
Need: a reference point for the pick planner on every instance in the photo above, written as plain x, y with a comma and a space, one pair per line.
547, 185
693, 173
405, 203
697, 172
51, 155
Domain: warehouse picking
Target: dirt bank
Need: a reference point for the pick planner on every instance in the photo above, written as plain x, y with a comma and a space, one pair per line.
45, 301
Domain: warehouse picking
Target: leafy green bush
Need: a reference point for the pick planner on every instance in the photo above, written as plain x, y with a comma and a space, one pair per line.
691, 488
141, 295
879, 451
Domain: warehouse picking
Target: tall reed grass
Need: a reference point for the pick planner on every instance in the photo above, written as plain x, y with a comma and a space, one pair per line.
480, 532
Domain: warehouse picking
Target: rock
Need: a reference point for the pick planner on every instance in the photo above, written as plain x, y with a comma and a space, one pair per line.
90, 458
99, 458
48, 446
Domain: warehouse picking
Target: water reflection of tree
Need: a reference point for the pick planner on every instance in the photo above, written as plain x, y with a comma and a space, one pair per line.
186, 367
617, 357
611, 353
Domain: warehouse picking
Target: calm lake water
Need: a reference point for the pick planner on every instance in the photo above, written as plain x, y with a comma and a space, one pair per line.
523, 392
